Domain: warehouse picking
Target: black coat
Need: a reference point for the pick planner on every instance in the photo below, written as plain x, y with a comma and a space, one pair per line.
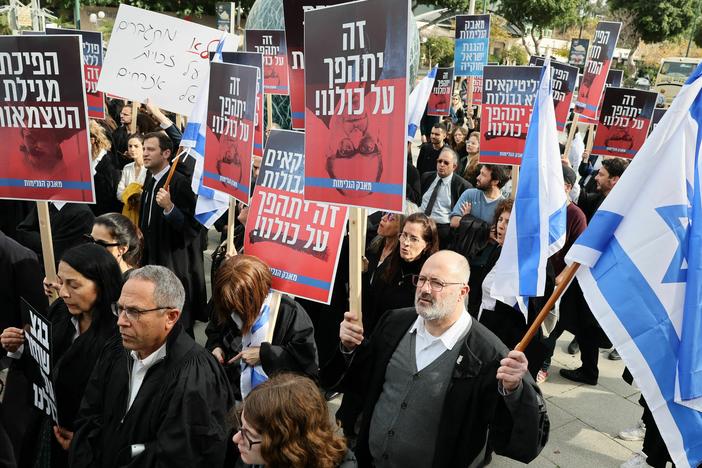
175, 242
68, 226
472, 410
414, 189
179, 413
106, 179
426, 160
291, 349
21, 276
458, 185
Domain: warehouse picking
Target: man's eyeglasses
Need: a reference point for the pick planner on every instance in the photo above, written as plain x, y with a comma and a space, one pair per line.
245, 433
443, 162
132, 313
99, 242
435, 284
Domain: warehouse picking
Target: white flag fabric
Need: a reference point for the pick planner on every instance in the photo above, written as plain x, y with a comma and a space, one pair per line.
537, 225
641, 272
418, 102
211, 204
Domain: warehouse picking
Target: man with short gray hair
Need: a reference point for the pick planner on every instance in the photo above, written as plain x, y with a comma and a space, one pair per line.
156, 398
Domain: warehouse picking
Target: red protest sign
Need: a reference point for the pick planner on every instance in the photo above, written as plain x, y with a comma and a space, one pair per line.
356, 93
43, 123
230, 129
508, 99
271, 44
624, 122
563, 79
599, 59
300, 240
441, 93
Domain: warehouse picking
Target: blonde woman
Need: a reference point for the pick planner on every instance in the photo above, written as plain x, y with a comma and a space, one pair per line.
105, 175
133, 176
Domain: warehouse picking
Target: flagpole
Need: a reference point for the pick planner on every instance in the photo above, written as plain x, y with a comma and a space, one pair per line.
568, 275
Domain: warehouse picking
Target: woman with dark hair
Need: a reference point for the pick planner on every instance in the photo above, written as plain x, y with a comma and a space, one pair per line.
285, 423
242, 299
469, 165
81, 323
391, 286
458, 138
133, 176
120, 237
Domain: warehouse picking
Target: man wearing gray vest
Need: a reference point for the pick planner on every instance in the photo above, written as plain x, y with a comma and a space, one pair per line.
439, 388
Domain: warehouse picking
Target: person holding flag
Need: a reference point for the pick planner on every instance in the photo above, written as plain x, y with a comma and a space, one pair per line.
537, 226
640, 270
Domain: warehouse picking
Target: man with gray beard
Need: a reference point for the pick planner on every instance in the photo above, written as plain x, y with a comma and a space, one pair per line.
439, 388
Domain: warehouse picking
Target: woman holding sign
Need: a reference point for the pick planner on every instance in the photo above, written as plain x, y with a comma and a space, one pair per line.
81, 323
242, 297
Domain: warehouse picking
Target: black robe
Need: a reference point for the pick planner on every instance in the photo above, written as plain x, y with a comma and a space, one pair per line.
174, 241
179, 413
106, 179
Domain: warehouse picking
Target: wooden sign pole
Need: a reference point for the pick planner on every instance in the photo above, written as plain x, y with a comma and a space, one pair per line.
356, 215
571, 135
231, 224
135, 113
269, 109
47, 245
515, 181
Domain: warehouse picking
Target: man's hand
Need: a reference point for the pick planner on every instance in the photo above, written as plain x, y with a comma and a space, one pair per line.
512, 370
466, 207
63, 436
251, 356
51, 289
11, 339
351, 331
163, 199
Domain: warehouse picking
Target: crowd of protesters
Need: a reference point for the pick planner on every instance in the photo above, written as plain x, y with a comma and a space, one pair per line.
427, 375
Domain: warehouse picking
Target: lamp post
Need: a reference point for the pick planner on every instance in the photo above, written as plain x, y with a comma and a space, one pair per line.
76, 13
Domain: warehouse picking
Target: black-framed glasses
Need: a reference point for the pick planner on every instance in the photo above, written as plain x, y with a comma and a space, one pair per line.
132, 313
245, 433
435, 284
99, 242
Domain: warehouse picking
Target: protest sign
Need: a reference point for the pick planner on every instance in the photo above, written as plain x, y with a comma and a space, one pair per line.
293, 11
92, 61
356, 97
472, 40
441, 93
156, 56
43, 123
578, 52
599, 59
230, 129
615, 78
624, 122
271, 44
508, 98
658, 114
252, 59
225, 12
38, 341
300, 240
563, 78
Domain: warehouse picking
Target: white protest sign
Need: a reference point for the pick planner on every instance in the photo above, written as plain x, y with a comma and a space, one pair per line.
156, 56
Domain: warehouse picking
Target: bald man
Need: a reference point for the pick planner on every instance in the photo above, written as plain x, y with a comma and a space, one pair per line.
439, 388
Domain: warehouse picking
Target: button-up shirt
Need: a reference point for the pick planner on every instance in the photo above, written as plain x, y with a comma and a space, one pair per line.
442, 207
139, 369
428, 347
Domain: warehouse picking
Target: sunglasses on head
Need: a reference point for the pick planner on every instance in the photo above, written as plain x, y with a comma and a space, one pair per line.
99, 242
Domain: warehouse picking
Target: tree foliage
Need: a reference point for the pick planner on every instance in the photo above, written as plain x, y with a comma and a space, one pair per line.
660, 20
439, 50
181, 7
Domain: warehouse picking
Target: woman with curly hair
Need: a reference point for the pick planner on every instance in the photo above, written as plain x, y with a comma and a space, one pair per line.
285, 423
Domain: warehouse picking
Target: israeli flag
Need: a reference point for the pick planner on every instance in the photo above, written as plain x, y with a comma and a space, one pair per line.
253, 376
211, 204
418, 102
537, 225
641, 272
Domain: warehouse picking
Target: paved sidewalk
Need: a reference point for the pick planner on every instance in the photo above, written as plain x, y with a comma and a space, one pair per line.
585, 419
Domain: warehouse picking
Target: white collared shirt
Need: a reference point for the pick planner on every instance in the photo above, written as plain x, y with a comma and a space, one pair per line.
139, 369
428, 347
442, 207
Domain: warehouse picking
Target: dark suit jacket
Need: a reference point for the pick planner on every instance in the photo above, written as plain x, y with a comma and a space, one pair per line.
458, 186
472, 411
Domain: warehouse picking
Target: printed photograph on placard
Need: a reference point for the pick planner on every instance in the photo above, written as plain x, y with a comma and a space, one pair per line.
578, 52
441, 93
271, 44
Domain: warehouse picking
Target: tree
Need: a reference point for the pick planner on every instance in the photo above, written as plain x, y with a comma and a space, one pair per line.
535, 16
439, 50
651, 22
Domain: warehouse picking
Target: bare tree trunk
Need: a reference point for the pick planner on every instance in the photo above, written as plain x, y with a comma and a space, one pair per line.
630, 63
537, 51
526, 46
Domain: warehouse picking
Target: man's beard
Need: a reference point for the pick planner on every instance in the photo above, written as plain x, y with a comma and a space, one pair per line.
435, 311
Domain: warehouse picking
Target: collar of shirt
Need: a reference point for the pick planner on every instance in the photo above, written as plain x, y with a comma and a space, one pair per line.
446, 180
158, 176
150, 360
449, 338
237, 320
74, 321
